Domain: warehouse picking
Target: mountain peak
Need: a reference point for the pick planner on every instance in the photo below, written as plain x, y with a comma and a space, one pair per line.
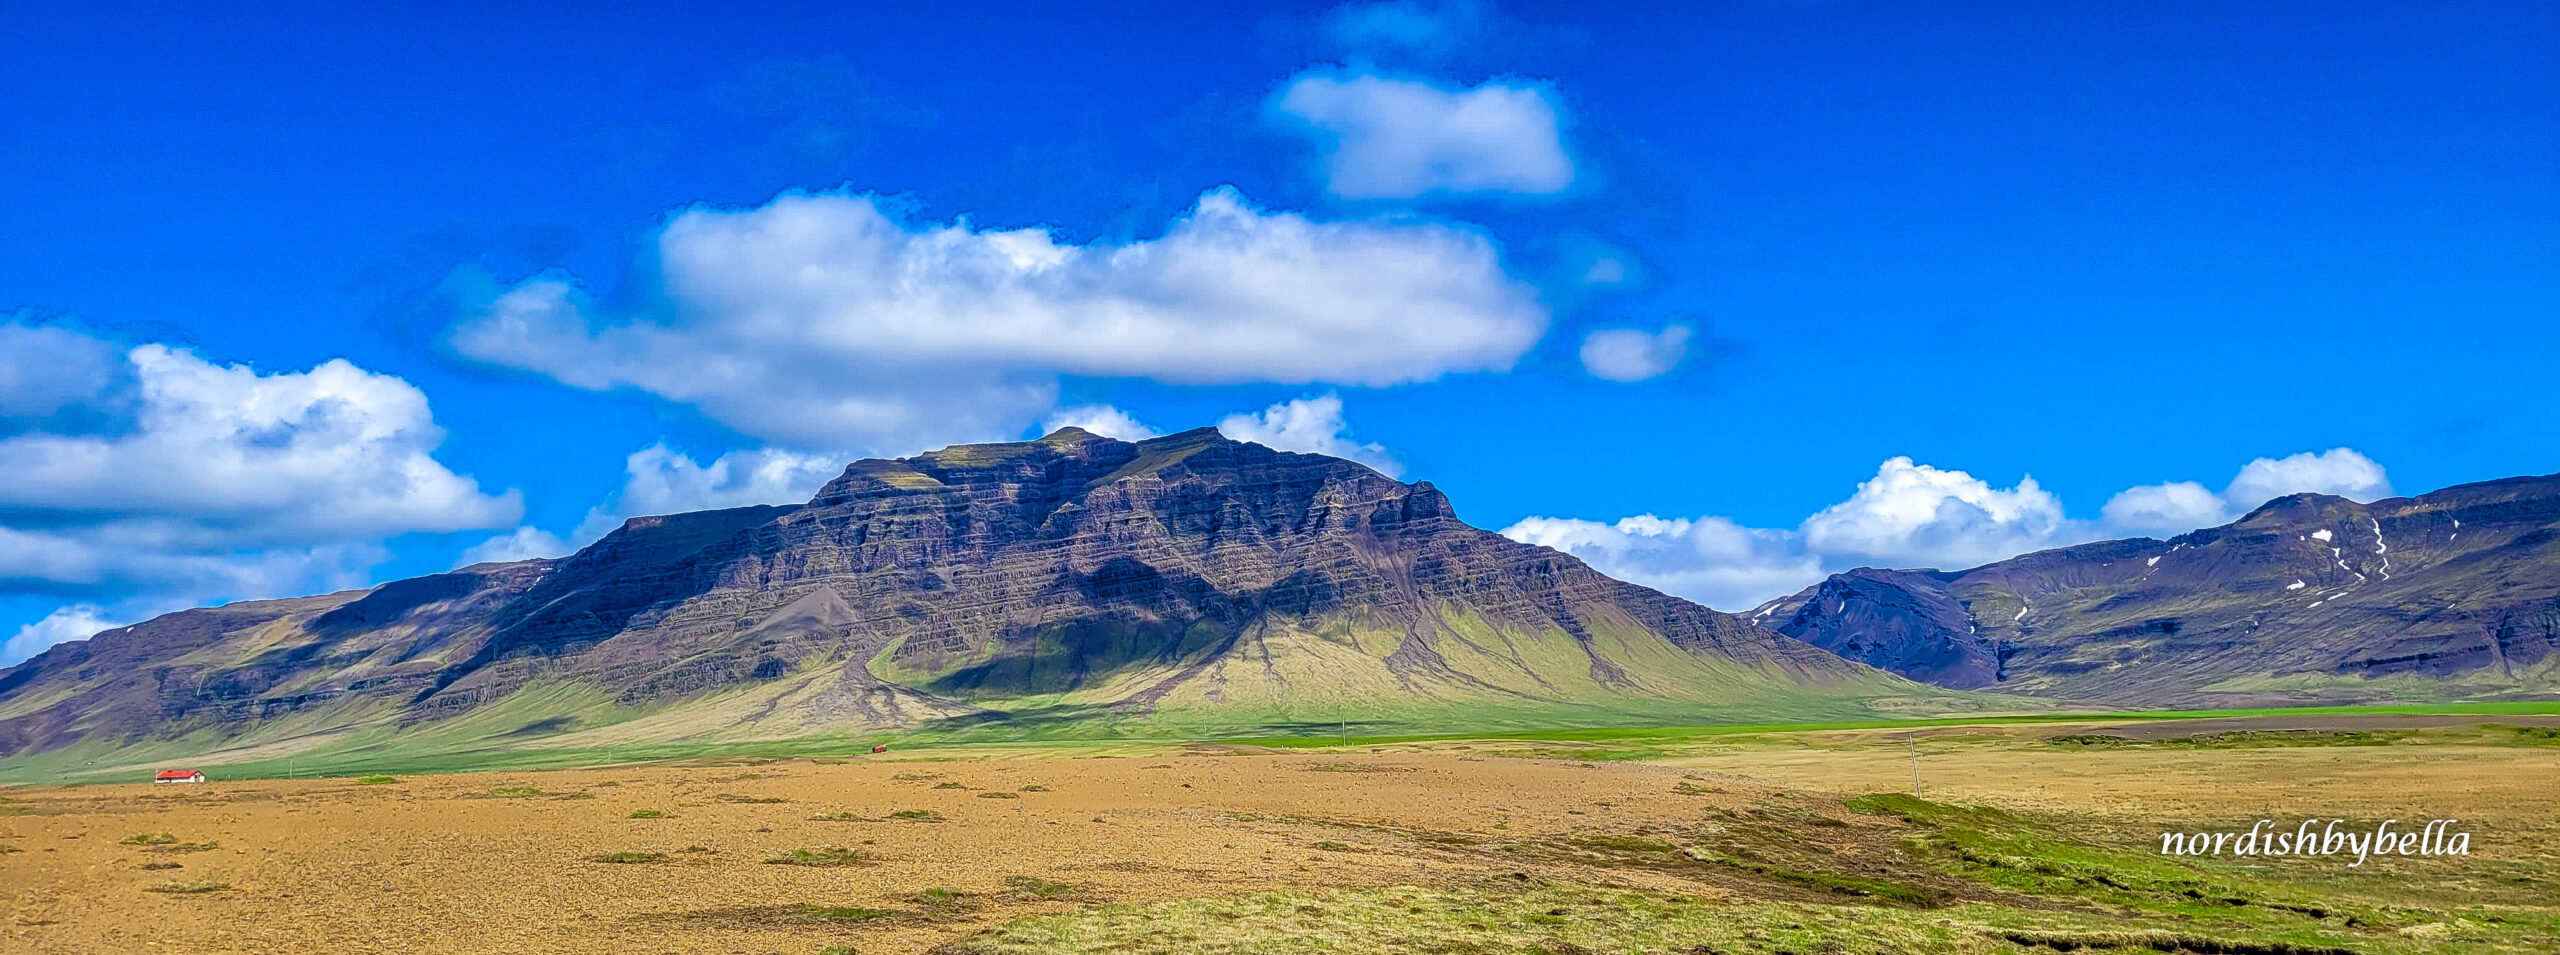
1070, 436
2307, 598
1184, 572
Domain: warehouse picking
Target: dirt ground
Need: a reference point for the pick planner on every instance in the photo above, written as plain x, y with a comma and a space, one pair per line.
511, 862
2513, 792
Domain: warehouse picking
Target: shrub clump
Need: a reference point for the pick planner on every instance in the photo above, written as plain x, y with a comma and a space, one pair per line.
2093, 740
1023, 888
820, 856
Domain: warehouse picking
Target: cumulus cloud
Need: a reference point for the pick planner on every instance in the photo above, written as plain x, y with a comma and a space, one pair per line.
1908, 514
2172, 508
662, 480
203, 481
523, 543
53, 378
74, 622
1633, 354
1383, 137
1710, 560
2338, 471
828, 320
2162, 510
1312, 425
1915, 515
1103, 420
330, 453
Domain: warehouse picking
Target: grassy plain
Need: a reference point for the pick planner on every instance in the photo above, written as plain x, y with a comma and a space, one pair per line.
2036, 836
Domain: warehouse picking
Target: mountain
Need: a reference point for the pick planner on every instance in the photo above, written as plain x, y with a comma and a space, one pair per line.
1186, 581
2310, 598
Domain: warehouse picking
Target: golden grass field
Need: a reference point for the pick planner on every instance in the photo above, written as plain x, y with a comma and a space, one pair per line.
1730, 845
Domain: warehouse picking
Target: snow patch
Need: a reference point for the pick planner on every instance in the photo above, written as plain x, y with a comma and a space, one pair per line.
2153, 562
2296, 585
2322, 535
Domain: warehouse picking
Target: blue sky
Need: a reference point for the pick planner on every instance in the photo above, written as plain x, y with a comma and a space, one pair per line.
297, 300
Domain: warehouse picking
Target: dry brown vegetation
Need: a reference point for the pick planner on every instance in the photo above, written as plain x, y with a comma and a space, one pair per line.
879, 855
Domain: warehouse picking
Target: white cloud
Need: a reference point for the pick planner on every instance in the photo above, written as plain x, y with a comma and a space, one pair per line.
2165, 510
331, 453
1633, 354
1312, 425
73, 622
2160, 510
2338, 471
665, 481
1913, 514
1711, 560
1395, 138
826, 321
661, 480
174, 557
1103, 420
163, 479
523, 543
47, 372
1610, 271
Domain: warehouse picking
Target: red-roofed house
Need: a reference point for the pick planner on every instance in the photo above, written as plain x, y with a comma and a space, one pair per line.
178, 776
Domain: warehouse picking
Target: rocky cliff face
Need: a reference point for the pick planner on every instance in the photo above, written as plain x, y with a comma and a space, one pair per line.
2308, 598
1898, 620
1073, 574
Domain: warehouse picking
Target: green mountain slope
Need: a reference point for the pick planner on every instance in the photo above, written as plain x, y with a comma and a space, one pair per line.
1071, 586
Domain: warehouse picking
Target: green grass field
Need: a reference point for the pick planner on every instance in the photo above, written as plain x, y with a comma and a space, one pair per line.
1958, 879
481, 741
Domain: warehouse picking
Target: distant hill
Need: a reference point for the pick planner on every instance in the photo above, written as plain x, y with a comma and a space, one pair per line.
2309, 598
1050, 586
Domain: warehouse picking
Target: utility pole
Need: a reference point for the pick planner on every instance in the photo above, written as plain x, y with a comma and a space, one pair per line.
1915, 765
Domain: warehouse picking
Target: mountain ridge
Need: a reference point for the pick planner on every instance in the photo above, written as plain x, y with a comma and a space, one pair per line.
1183, 578
2306, 598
